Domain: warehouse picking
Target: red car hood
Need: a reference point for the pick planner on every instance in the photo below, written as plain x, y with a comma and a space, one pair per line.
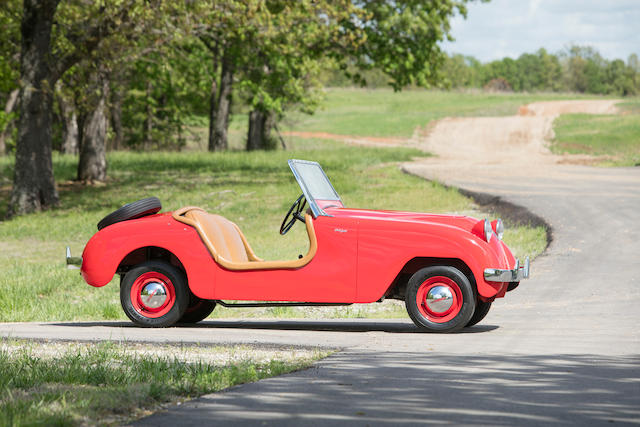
464, 222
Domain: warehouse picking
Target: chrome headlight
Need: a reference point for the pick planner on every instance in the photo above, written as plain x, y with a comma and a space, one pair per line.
498, 228
488, 231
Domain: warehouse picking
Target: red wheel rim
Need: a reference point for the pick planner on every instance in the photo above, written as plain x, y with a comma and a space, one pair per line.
439, 299
144, 294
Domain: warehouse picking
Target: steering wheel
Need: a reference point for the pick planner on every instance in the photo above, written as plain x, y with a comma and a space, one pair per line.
294, 213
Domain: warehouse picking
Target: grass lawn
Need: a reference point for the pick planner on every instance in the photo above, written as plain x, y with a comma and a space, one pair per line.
253, 189
105, 384
383, 113
615, 137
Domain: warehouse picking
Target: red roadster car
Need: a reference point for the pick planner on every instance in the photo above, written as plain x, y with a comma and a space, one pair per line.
176, 266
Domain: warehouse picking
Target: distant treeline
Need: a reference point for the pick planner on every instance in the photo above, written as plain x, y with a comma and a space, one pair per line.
575, 69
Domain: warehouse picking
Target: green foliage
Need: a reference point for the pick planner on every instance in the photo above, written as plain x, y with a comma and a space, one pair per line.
164, 60
10, 15
163, 88
402, 39
577, 69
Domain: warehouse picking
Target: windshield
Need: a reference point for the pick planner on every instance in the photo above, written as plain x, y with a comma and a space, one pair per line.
314, 183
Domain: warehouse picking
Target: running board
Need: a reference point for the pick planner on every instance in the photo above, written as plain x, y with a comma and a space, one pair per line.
279, 304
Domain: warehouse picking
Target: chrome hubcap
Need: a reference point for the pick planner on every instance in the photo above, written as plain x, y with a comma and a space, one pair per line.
439, 299
153, 295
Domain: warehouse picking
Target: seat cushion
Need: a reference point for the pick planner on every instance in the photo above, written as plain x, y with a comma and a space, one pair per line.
222, 233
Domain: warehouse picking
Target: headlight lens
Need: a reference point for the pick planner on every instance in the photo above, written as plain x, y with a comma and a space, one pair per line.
498, 228
488, 231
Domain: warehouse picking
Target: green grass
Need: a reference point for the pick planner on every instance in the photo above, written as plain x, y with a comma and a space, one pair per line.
107, 383
252, 189
384, 113
616, 138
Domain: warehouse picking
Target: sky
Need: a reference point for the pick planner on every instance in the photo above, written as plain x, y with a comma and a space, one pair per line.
503, 28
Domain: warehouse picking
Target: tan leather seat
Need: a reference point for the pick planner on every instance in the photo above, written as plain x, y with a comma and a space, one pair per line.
230, 248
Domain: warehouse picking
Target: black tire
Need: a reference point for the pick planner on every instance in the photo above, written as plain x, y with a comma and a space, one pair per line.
133, 210
481, 311
163, 276
462, 302
198, 309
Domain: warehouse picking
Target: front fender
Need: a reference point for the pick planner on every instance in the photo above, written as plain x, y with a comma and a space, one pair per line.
108, 247
384, 251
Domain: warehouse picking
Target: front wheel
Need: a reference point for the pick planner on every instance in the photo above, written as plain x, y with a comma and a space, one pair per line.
481, 311
440, 299
154, 294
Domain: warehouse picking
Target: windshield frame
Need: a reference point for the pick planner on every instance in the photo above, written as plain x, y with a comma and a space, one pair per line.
313, 205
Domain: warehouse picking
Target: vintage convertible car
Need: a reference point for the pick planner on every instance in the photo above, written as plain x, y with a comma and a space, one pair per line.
176, 266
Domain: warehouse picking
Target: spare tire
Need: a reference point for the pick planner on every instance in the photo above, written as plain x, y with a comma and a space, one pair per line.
133, 210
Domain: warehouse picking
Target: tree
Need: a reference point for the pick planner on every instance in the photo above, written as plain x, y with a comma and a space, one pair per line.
160, 90
223, 29
43, 61
271, 50
402, 38
460, 71
287, 52
34, 185
92, 165
9, 66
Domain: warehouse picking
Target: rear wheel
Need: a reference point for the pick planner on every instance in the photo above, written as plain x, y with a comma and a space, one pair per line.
154, 294
440, 299
199, 309
481, 311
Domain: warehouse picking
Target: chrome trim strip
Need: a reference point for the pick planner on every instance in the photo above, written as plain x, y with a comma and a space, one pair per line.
515, 275
73, 262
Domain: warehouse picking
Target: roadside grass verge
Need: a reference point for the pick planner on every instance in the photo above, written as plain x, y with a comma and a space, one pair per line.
615, 137
108, 383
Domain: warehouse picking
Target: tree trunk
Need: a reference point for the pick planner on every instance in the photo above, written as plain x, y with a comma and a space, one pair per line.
34, 186
70, 135
92, 166
8, 109
148, 121
116, 119
260, 127
218, 136
213, 110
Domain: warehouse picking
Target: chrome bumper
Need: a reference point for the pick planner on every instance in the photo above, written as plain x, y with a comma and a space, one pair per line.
73, 262
498, 275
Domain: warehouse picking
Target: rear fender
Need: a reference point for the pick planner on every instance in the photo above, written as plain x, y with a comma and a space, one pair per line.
106, 250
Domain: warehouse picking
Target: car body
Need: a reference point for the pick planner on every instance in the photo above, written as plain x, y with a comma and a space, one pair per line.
447, 268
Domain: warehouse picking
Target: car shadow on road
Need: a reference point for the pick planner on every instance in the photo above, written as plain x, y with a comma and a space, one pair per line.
404, 388
296, 325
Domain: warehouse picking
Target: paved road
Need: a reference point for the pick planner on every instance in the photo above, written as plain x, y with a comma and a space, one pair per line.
564, 348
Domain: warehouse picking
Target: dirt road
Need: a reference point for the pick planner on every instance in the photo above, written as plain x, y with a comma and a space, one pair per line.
563, 348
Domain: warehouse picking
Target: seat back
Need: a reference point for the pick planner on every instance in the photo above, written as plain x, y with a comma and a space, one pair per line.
222, 233
230, 248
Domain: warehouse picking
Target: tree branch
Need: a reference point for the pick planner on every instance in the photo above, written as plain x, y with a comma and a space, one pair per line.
91, 38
